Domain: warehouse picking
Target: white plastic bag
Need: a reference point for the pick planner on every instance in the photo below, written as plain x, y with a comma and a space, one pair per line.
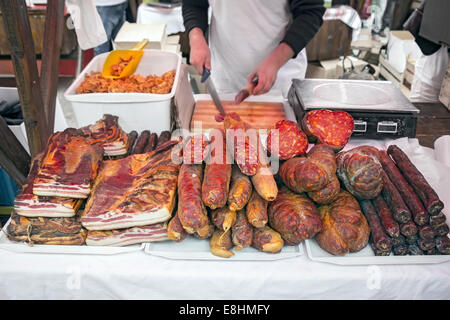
87, 22
428, 74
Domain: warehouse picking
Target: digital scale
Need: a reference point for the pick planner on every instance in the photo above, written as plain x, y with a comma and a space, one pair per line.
379, 108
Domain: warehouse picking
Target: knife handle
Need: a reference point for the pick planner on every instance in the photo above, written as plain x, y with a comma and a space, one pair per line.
205, 75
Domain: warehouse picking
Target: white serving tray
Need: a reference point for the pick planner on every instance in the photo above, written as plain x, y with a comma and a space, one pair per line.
195, 249
21, 247
367, 257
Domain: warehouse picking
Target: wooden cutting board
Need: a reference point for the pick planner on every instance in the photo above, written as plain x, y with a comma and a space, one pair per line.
259, 115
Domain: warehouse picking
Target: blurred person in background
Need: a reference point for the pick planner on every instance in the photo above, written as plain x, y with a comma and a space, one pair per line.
113, 15
250, 39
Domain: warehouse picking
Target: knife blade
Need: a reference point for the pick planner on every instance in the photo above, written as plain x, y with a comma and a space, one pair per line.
212, 91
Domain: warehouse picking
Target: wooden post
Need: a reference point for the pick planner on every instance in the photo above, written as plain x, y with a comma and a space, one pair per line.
18, 29
53, 35
14, 159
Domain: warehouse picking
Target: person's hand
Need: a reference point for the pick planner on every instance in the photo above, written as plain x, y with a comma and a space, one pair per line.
267, 70
200, 56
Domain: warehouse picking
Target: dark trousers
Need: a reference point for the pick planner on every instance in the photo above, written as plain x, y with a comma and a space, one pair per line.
113, 18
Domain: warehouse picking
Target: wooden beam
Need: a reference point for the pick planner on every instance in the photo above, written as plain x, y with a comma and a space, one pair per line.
14, 159
17, 26
53, 35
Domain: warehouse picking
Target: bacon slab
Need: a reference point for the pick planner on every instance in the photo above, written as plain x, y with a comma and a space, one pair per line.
134, 191
29, 205
69, 165
128, 236
51, 231
108, 134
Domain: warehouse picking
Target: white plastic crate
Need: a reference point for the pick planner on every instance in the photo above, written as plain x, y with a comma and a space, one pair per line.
136, 111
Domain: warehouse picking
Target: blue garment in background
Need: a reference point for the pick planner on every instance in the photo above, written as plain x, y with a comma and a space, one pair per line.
113, 18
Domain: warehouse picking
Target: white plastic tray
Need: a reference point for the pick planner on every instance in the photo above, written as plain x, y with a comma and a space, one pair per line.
196, 249
21, 247
367, 257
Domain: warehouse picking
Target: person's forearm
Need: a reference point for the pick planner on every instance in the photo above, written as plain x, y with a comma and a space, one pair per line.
280, 55
196, 36
307, 15
195, 14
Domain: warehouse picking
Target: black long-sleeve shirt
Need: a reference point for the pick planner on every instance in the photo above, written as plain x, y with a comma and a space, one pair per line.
307, 19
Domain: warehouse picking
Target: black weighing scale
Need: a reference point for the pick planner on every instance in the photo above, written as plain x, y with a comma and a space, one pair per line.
379, 108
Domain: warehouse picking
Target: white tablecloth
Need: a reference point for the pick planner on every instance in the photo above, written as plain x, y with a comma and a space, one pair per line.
172, 17
141, 276
138, 275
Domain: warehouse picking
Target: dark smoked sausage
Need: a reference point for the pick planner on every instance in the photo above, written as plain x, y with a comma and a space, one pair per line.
400, 210
414, 204
379, 237
141, 142
416, 179
151, 145
390, 225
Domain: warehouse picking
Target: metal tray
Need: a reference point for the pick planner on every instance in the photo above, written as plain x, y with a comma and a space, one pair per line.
21, 247
367, 257
354, 95
196, 249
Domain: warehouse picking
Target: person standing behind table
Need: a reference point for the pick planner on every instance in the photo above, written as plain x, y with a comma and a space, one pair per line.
252, 38
113, 15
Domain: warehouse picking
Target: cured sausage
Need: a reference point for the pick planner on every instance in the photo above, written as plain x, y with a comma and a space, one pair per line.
141, 142
432, 252
223, 218
441, 229
344, 228
426, 232
415, 178
216, 180
294, 216
379, 238
257, 210
163, 137
194, 150
242, 232
220, 244
240, 190
414, 204
400, 250
408, 229
359, 169
151, 145
414, 250
267, 240
191, 211
264, 183
175, 230
437, 219
328, 194
285, 140
311, 173
426, 244
242, 141
396, 241
390, 225
412, 239
132, 136
400, 210
443, 245
333, 128
379, 252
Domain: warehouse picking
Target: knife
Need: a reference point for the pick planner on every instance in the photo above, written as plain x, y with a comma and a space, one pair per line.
212, 90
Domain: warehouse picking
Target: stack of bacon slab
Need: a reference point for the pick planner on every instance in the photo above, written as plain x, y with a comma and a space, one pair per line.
132, 198
68, 167
107, 134
60, 178
30, 205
